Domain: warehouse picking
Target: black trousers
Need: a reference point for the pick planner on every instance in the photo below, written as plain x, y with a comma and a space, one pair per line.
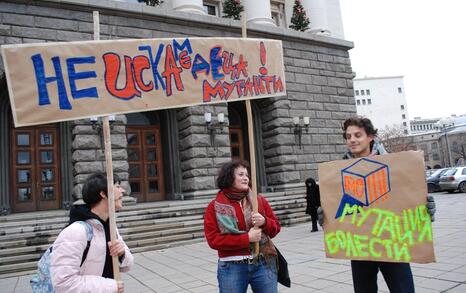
313, 211
398, 276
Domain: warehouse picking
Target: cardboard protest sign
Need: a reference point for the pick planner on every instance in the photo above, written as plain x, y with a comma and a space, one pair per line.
374, 209
53, 82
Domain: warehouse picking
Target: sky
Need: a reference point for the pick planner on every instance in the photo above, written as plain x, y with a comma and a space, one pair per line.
424, 41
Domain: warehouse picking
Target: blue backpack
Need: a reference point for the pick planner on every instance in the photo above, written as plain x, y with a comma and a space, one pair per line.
42, 281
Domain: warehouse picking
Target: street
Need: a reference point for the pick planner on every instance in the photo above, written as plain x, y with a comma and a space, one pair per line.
192, 268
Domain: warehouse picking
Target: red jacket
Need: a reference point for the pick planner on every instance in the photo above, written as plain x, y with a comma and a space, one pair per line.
237, 244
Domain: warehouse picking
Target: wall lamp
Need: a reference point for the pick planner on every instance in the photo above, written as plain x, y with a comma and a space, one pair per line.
298, 128
213, 127
97, 125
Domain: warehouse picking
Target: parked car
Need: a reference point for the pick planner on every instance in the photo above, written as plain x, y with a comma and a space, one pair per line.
433, 180
454, 179
430, 172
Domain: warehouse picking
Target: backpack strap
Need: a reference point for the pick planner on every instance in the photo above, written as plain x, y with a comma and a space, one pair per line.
89, 234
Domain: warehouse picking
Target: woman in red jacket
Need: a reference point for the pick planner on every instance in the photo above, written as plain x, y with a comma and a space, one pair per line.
231, 227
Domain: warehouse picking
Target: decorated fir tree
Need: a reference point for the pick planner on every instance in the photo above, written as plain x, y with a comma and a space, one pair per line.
299, 20
151, 2
232, 9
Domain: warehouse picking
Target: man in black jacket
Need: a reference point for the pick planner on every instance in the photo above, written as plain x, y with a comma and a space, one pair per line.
360, 134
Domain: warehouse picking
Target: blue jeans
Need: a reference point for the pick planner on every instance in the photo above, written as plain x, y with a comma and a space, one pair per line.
235, 278
398, 276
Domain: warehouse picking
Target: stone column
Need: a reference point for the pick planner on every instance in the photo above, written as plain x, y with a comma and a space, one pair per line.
201, 154
258, 11
191, 6
317, 13
88, 154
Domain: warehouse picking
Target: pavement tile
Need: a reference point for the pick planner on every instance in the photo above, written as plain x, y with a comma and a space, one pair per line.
339, 288
436, 284
453, 276
460, 270
193, 284
458, 289
320, 284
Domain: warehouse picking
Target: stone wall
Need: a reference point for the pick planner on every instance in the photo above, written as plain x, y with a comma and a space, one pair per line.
88, 154
318, 76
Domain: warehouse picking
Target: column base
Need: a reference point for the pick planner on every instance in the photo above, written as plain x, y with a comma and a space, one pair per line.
320, 32
262, 21
191, 9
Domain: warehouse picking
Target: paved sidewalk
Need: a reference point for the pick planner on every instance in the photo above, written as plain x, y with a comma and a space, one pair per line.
192, 268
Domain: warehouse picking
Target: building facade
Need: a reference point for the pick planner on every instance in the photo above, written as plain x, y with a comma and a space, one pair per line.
383, 100
443, 140
172, 154
419, 125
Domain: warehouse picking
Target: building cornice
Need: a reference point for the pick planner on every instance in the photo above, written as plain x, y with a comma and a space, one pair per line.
170, 15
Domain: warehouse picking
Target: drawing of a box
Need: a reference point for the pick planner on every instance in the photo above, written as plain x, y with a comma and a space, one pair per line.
366, 180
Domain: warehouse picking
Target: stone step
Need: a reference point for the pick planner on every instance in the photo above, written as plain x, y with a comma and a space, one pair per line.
36, 217
164, 223
22, 246
26, 235
6, 260
18, 267
27, 227
29, 239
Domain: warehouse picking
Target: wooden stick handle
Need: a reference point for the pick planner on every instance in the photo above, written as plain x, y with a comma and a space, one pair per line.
252, 148
108, 167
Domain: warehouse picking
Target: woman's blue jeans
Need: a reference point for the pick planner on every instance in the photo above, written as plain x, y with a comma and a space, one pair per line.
235, 277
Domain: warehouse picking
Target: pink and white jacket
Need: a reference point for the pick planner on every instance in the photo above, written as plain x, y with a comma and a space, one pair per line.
68, 275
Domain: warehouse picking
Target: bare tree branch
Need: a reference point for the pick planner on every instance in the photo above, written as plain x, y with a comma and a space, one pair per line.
395, 139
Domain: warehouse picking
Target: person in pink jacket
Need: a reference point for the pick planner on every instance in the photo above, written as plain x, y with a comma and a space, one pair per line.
96, 273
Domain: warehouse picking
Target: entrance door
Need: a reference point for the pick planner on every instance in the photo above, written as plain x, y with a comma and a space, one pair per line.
238, 131
236, 143
35, 169
145, 163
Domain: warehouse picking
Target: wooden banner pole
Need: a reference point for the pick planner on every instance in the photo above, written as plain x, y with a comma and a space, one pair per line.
109, 167
252, 148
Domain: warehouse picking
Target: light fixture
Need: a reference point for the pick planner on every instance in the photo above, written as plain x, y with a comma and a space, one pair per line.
306, 121
298, 128
97, 125
221, 117
208, 117
213, 127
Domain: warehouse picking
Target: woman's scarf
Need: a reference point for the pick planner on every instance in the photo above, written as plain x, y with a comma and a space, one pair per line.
234, 194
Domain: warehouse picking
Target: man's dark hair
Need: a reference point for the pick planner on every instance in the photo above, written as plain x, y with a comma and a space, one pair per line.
93, 185
226, 176
361, 122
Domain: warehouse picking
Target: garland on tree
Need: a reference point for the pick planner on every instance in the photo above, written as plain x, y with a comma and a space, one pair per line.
299, 20
232, 9
151, 2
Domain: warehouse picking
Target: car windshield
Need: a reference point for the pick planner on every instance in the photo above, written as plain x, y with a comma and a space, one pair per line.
450, 172
436, 173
